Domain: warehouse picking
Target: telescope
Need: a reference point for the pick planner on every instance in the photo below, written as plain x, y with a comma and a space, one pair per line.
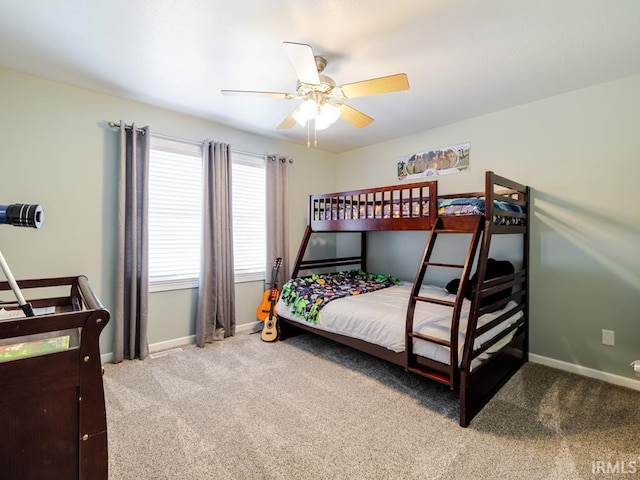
19, 215
22, 215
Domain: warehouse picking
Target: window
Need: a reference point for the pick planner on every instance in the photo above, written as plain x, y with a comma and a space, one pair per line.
175, 214
249, 223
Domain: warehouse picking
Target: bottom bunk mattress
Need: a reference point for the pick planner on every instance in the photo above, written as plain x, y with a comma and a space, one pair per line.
379, 318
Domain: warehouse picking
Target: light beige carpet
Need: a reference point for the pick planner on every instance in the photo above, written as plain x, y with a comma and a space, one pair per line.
308, 408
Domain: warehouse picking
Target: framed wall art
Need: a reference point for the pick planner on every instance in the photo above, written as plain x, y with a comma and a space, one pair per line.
443, 161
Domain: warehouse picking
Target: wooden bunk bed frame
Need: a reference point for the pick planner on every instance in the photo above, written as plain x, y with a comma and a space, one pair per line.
476, 383
52, 408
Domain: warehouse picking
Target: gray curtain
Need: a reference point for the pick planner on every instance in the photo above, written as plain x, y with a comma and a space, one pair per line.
132, 273
216, 317
277, 176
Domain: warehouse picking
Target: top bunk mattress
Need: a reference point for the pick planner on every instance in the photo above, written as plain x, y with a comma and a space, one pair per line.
379, 318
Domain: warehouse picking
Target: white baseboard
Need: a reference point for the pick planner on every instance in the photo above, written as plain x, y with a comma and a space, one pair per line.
585, 371
249, 327
178, 342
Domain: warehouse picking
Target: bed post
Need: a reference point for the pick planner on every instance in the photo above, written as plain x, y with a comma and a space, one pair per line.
525, 266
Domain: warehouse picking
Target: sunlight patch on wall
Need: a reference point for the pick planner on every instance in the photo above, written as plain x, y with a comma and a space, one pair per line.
602, 237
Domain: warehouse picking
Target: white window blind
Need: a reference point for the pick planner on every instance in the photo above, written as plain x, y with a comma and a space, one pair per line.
249, 223
175, 213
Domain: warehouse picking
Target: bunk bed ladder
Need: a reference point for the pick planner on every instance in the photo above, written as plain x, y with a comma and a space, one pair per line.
447, 374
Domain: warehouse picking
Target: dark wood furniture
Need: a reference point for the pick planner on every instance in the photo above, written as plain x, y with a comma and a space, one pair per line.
415, 208
52, 408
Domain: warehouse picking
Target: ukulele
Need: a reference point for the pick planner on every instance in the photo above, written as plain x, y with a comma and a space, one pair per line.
270, 327
264, 310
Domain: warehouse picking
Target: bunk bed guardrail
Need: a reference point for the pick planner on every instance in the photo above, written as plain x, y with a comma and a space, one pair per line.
375, 208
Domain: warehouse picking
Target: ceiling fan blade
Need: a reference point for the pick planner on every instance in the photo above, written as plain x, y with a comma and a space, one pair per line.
288, 122
353, 116
286, 96
301, 57
375, 86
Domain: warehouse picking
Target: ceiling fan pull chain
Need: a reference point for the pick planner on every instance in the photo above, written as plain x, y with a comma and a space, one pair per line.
308, 135
315, 135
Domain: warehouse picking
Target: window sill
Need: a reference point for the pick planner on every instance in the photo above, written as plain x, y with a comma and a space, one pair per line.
166, 285
184, 284
249, 277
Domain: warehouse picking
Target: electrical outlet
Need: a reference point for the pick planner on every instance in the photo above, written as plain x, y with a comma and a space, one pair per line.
608, 337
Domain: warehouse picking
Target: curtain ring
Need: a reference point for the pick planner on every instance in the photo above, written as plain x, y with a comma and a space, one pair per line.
273, 158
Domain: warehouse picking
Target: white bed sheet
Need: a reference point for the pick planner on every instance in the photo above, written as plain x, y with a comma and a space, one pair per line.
379, 318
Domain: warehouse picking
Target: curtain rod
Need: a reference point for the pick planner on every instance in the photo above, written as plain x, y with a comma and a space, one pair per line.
192, 142
159, 135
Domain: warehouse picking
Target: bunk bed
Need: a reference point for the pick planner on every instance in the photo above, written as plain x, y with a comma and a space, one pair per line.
472, 336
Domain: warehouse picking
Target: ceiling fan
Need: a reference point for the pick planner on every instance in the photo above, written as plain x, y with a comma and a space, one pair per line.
322, 98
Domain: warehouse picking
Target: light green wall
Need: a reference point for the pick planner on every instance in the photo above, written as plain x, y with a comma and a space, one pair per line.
56, 151
578, 151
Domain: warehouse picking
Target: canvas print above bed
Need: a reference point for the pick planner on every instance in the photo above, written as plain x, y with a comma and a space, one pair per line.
442, 161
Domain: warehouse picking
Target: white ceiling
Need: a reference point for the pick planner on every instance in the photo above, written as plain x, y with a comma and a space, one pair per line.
464, 58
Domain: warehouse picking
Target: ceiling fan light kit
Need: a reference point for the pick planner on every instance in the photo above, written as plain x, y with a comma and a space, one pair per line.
321, 98
317, 109
327, 115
